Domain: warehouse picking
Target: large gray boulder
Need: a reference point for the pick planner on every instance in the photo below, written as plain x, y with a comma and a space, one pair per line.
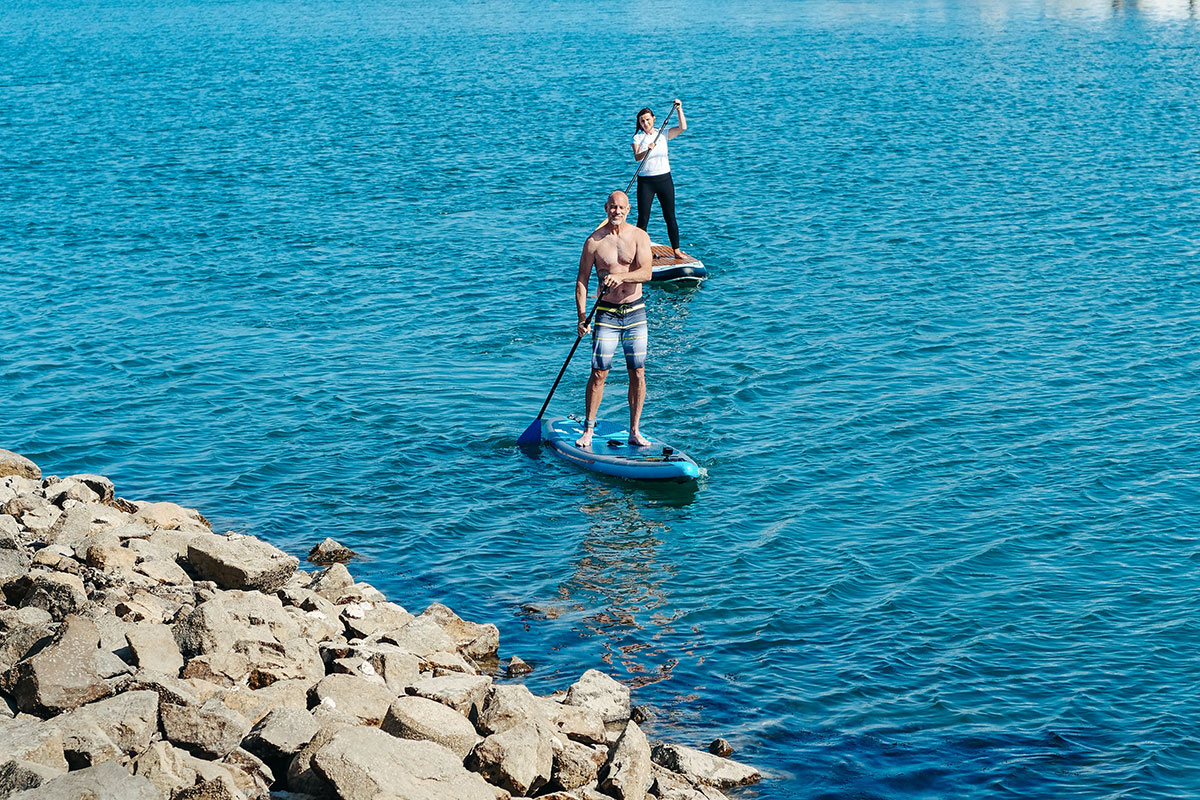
294, 659
129, 719
365, 700
508, 704
81, 521
577, 765
521, 759
219, 623
364, 619
474, 640
428, 720
165, 766
210, 729
279, 736
20, 631
331, 582
600, 693
701, 767
153, 647
627, 773
463, 693
13, 464
63, 675
240, 562
27, 739
106, 780
368, 764
13, 562
57, 593
84, 744
421, 637
170, 517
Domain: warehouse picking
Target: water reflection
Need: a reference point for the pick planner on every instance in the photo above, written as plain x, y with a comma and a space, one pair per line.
622, 586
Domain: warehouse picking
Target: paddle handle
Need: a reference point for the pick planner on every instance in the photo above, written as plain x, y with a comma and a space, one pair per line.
587, 320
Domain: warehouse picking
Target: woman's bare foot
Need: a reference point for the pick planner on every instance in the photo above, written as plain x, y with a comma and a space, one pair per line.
637, 440
586, 439
679, 253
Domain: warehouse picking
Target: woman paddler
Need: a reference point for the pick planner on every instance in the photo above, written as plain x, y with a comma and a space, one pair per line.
654, 176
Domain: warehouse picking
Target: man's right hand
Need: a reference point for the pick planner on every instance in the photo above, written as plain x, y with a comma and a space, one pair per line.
582, 328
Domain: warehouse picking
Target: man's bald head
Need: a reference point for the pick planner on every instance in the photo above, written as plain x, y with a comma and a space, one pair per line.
616, 197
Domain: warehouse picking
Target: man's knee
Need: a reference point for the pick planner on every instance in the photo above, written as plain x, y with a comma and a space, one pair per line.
599, 376
637, 374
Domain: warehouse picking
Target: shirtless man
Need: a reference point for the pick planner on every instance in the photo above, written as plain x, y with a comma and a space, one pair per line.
621, 254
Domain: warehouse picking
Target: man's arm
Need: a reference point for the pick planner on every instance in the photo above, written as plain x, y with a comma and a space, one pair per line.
586, 260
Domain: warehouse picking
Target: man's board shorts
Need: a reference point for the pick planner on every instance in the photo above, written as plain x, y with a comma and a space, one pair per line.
625, 324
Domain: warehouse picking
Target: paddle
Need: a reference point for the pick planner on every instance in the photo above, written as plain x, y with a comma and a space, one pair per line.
637, 171
533, 434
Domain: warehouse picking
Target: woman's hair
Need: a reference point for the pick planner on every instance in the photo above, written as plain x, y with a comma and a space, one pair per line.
637, 127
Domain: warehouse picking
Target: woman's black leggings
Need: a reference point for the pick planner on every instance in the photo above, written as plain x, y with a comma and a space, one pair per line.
664, 187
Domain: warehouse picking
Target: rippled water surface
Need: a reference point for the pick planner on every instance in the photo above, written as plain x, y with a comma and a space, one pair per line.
308, 266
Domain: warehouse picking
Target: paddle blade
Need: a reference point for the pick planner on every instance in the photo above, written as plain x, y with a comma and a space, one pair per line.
532, 434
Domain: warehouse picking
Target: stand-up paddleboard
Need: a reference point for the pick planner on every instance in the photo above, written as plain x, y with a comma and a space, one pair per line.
611, 453
686, 271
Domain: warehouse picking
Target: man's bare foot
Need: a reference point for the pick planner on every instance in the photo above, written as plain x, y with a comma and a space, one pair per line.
637, 440
586, 439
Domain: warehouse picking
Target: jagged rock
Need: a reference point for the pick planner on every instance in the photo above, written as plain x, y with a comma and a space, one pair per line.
211, 729
153, 647
10, 531
360, 593
254, 704
170, 544
166, 767
508, 704
78, 522
84, 744
627, 773
330, 552
700, 767
13, 563
250, 774
56, 592
104, 552
169, 516
301, 777
106, 780
577, 765
295, 659
240, 563
279, 736
219, 623
16, 776
365, 763
471, 639
364, 619
220, 788
143, 606
463, 693
99, 484
517, 666
14, 464
520, 759
315, 625
63, 674
57, 557
602, 694
71, 489
127, 720
22, 629
720, 747
331, 582
447, 664
162, 571
421, 637
28, 739
362, 699
428, 720
224, 667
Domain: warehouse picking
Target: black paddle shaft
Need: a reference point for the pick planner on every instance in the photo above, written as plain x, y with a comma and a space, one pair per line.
587, 320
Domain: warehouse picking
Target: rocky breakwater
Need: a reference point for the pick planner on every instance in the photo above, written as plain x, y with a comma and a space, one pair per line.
144, 656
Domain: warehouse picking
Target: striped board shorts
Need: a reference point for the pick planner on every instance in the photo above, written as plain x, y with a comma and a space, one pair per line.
625, 324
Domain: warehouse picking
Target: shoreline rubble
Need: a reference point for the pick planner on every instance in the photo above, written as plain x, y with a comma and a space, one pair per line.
143, 655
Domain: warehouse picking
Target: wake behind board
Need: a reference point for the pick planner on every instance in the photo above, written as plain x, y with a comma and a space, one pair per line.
611, 453
686, 271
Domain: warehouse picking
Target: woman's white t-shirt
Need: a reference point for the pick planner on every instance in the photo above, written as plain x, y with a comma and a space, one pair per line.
656, 163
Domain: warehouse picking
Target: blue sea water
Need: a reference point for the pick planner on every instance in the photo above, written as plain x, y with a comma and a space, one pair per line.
307, 265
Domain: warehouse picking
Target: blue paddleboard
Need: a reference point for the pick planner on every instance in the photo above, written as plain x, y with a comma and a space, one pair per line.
611, 453
666, 268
